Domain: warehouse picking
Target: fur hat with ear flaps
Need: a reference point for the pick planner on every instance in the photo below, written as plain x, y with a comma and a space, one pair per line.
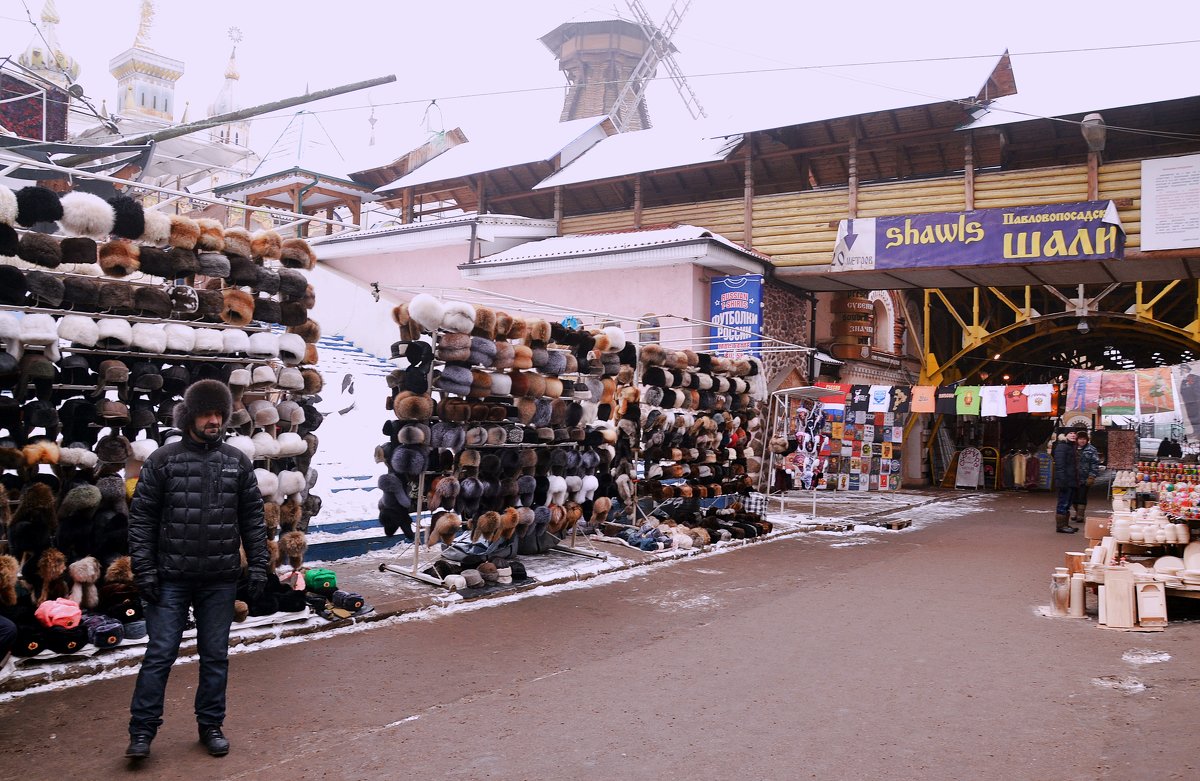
185, 232
266, 245
119, 258
212, 235
203, 396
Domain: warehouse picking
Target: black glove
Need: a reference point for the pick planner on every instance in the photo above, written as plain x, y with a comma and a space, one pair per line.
148, 592
257, 584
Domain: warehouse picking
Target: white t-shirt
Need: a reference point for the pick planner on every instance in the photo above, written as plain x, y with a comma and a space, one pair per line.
991, 401
1039, 397
879, 398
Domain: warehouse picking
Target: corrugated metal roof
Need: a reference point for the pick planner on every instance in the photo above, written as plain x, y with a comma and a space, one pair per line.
519, 146
593, 243
1056, 85
646, 150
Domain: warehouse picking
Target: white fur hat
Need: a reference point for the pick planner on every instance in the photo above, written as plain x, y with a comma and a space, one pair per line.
158, 228
268, 483
244, 444
40, 330
180, 338
77, 456
88, 215
208, 341
263, 344
292, 482
556, 492
590, 484
291, 349
265, 446
290, 444
501, 384
115, 332
262, 377
459, 317
427, 311
150, 338
237, 342
79, 330
10, 333
142, 448
8, 206
616, 339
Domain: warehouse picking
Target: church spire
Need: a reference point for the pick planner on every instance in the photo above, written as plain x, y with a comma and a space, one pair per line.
45, 56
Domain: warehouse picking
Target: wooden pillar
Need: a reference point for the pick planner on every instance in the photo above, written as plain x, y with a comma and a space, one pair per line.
406, 206
969, 171
748, 196
1093, 176
329, 216
637, 200
558, 210
852, 166
355, 211
481, 208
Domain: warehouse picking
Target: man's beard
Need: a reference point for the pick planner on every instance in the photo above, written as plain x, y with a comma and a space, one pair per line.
204, 436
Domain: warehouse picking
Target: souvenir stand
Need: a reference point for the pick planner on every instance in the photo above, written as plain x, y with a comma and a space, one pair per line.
108, 311
797, 432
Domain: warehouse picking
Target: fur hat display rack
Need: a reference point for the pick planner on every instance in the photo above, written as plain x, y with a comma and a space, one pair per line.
503, 436
697, 419
109, 311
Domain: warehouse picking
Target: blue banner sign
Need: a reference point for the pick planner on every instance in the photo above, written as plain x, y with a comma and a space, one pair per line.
1090, 230
736, 306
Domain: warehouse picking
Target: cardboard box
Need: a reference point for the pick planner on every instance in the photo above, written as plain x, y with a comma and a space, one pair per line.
1096, 527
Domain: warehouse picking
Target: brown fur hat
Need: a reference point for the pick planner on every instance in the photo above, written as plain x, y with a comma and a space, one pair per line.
309, 331
185, 232
237, 242
51, 567
237, 307
519, 329
445, 526
289, 515
119, 258
8, 580
84, 574
410, 406
266, 245
539, 331
310, 297
311, 357
273, 558
504, 323
271, 518
120, 571
486, 526
312, 381
295, 253
293, 545
485, 323
212, 235
410, 331
292, 313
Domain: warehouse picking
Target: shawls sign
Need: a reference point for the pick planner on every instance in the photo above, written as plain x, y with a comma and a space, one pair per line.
1090, 230
736, 307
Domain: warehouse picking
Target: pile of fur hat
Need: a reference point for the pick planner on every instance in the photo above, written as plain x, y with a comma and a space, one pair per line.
509, 418
245, 277
65, 580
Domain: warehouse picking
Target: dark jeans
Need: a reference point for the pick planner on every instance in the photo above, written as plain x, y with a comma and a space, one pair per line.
1066, 495
212, 604
8, 634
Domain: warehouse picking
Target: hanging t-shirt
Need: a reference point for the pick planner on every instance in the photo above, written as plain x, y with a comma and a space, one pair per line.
1015, 400
967, 400
945, 402
859, 398
991, 401
879, 398
1039, 397
923, 398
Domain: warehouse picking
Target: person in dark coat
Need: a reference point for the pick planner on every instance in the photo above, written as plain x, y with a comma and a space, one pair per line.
1066, 479
196, 505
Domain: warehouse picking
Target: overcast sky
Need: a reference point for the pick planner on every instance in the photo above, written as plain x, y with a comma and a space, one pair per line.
443, 50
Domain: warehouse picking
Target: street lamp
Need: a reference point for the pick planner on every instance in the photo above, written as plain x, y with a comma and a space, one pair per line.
1094, 131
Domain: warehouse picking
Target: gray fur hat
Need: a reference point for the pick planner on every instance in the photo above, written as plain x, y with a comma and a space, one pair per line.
200, 397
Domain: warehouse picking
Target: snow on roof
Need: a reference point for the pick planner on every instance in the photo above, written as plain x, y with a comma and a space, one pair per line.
1055, 85
517, 146
595, 243
645, 150
817, 94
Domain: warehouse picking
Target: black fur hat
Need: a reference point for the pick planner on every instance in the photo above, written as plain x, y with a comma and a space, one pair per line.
156, 261
46, 288
130, 220
40, 249
12, 285
37, 204
203, 396
10, 242
79, 249
183, 262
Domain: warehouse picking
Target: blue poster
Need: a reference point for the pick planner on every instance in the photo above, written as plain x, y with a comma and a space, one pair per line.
736, 307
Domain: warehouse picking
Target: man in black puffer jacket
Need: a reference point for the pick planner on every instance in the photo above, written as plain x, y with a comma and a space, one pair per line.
196, 504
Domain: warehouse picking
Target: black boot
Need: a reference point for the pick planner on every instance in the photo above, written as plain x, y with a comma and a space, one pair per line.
1063, 521
139, 746
1080, 513
214, 741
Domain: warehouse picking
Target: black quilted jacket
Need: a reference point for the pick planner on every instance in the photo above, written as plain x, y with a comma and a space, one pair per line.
194, 505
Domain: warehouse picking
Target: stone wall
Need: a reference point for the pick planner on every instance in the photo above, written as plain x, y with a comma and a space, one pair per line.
785, 316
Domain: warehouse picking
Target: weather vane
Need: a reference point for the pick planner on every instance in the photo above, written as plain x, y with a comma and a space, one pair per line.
235, 35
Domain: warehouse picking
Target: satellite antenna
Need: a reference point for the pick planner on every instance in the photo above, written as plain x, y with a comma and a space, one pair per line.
659, 51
